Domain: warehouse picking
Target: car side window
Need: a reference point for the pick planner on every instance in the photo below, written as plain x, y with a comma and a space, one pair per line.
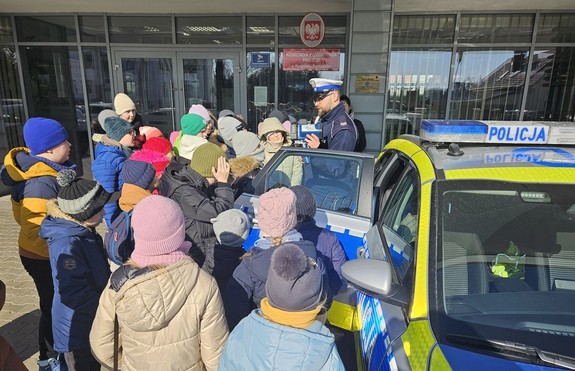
400, 222
333, 180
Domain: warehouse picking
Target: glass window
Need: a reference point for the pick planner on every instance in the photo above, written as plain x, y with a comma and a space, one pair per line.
260, 30
418, 84
209, 30
261, 82
551, 94
488, 84
145, 30
423, 29
46, 28
295, 91
400, 223
92, 29
500, 28
6, 35
98, 88
556, 28
56, 91
506, 250
335, 30
12, 107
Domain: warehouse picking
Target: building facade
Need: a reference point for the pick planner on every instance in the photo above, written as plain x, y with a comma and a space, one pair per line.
401, 61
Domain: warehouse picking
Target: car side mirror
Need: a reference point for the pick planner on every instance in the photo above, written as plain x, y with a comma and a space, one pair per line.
374, 278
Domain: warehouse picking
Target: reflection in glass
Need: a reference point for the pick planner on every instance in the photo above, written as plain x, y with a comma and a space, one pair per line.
260, 30
209, 30
56, 91
148, 81
92, 28
98, 88
423, 29
262, 80
209, 82
295, 91
500, 28
46, 28
6, 35
488, 84
556, 28
12, 107
145, 30
551, 94
418, 83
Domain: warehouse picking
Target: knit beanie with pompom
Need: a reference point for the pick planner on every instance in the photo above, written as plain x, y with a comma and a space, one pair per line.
81, 198
159, 232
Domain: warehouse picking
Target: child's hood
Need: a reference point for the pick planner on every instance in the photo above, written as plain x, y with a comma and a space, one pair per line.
58, 225
21, 166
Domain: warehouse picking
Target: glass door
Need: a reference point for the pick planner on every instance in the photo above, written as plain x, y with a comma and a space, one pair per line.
148, 78
209, 79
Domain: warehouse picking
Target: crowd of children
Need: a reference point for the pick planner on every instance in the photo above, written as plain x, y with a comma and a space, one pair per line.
186, 278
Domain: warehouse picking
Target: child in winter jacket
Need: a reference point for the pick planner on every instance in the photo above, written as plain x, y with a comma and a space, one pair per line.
139, 182
126, 109
276, 216
111, 152
247, 163
192, 135
80, 269
31, 172
170, 312
202, 191
284, 333
231, 228
325, 241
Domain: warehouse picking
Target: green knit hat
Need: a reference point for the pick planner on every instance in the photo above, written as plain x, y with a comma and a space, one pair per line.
192, 124
205, 157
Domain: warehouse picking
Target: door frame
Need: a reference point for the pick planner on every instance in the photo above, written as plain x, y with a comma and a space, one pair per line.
178, 54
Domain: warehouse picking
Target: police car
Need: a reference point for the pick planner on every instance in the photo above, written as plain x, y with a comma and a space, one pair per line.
461, 242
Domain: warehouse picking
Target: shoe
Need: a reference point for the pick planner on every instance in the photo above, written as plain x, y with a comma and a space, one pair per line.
49, 364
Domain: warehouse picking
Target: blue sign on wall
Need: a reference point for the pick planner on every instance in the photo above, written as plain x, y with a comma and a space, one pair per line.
260, 60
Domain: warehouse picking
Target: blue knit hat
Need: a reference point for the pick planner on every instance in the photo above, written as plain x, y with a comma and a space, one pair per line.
192, 124
42, 134
116, 128
138, 173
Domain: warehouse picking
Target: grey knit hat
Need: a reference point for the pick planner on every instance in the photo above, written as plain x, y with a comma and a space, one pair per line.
304, 203
294, 282
231, 227
81, 198
247, 143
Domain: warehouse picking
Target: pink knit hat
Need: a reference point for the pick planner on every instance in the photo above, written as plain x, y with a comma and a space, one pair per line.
198, 109
159, 232
276, 212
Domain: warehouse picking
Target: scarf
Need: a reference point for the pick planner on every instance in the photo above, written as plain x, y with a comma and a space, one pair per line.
292, 319
265, 241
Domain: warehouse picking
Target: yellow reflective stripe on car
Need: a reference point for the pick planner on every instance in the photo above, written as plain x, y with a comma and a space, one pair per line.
404, 146
438, 361
516, 174
417, 342
419, 306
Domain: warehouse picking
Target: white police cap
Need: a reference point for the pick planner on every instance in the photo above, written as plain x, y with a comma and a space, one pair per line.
321, 85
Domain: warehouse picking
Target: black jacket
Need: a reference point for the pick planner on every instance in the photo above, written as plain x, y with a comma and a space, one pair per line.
199, 203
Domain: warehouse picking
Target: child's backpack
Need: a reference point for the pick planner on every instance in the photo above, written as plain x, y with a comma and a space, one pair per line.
119, 239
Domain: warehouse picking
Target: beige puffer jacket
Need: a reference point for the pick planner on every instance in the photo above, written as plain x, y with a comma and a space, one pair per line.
170, 319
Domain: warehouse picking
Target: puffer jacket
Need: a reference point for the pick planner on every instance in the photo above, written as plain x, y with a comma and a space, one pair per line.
244, 169
107, 169
289, 172
259, 344
247, 286
80, 272
199, 203
169, 319
33, 182
329, 248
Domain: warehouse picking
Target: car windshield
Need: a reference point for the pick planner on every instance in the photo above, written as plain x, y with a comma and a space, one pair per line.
505, 263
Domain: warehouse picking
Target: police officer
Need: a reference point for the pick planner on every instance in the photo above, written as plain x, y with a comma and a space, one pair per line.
338, 129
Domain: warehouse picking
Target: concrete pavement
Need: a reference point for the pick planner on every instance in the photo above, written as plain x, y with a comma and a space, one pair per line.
20, 315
